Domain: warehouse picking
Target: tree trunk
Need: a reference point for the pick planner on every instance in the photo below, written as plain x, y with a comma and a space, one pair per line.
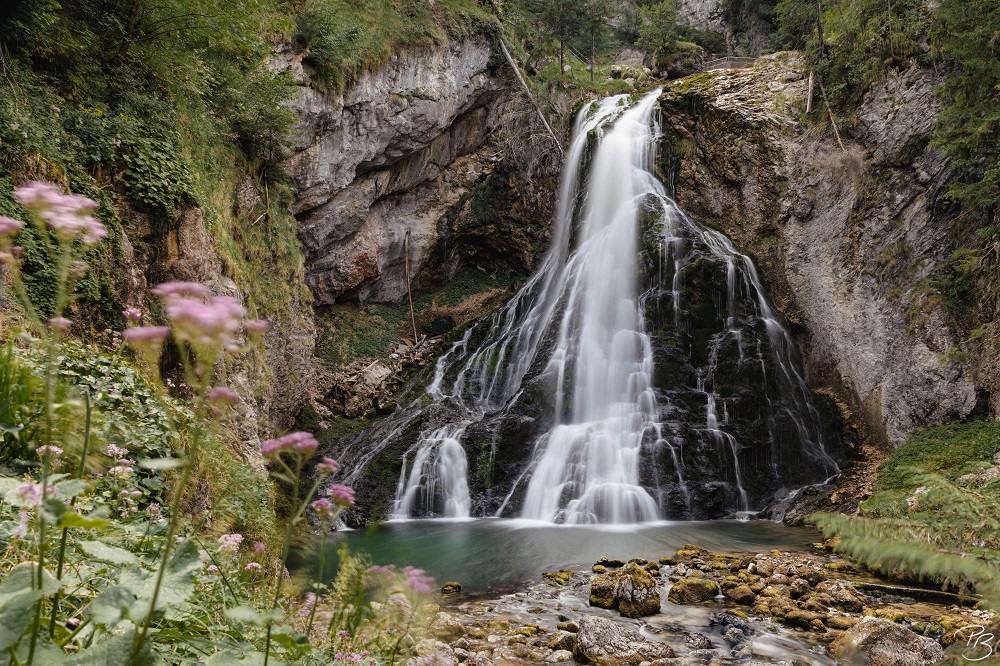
593, 54
819, 28
133, 17
560, 57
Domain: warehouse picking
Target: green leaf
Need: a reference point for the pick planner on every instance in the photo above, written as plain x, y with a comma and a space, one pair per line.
53, 510
16, 617
235, 659
116, 651
18, 598
177, 585
95, 520
20, 578
251, 616
289, 638
105, 553
112, 606
70, 488
161, 463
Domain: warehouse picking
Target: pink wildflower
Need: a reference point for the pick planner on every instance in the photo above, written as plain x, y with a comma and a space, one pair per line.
230, 542
212, 569
327, 466
323, 508
146, 334
59, 322
154, 510
342, 495
417, 581
9, 226
132, 313
22, 526
223, 394
67, 214
259, 547
54, 450
253, 567
256, 325
30, 492
170, 289
300, 441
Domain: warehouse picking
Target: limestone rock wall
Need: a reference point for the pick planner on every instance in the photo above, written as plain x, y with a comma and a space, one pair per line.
386, 160
847, 239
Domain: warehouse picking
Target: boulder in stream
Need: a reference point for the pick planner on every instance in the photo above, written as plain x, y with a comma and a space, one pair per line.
604, 642
886, 643
632, 590
693, 590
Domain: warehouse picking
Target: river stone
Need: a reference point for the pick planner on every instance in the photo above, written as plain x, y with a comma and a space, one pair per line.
692, 590
562, 640
886, 643
451, 587
560, 656
741, 594
631, 590
604, 642
636, 592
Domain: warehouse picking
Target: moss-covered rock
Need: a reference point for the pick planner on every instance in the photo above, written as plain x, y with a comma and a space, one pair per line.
692, 591
741, 594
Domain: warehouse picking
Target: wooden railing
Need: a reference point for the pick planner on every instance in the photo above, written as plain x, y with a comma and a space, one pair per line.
727, 62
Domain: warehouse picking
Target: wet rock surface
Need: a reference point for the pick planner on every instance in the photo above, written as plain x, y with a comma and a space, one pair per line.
828, 613
842, 237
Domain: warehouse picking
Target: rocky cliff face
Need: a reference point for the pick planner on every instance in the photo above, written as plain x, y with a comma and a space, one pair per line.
700, 14
381, 165
850, 239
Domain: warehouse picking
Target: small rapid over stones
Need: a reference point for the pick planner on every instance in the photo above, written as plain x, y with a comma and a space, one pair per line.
640, 374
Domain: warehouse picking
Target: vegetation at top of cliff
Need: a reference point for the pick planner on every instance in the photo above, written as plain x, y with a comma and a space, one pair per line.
344, 38
853, 42
935, 512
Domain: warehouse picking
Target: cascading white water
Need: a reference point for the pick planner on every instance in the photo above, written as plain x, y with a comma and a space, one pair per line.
587, 467
579, 323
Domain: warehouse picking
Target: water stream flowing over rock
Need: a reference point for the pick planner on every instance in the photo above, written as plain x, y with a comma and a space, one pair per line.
639, 374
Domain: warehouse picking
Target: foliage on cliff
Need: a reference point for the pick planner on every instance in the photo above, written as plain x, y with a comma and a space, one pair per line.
934, 511
853, 42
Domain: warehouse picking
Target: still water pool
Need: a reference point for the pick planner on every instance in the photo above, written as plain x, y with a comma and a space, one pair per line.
494, 554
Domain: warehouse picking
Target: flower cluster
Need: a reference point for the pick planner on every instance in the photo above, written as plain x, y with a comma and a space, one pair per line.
296, 441
323, 508
341, 657
202, 320
53, 453
230, 543
417, 581
66, 214
342, 495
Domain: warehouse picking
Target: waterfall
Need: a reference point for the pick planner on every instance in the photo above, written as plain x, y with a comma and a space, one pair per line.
619, 440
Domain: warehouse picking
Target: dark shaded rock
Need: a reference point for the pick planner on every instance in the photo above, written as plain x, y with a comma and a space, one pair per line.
886, 643
606, 643
441, 325
571, 627
451, 587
